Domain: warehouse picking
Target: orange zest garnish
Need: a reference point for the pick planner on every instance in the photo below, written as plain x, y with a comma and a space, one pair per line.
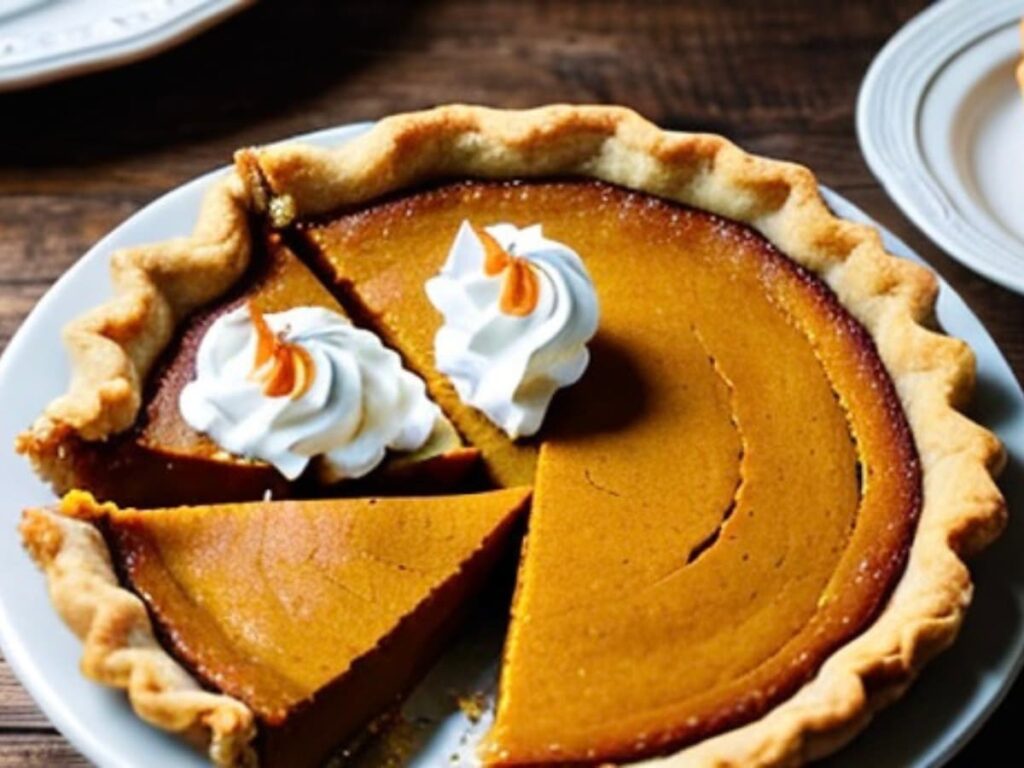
282, 367
520, 288
496, 258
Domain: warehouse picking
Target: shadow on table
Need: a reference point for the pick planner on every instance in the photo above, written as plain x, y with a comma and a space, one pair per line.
268, 60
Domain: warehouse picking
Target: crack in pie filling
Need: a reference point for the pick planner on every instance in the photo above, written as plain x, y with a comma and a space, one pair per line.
751, 490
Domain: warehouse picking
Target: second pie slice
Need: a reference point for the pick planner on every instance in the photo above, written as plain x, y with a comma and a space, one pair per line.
154, 457
307, 618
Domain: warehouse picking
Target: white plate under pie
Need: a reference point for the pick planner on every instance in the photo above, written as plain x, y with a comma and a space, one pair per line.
42, 40
941, 711
940, 119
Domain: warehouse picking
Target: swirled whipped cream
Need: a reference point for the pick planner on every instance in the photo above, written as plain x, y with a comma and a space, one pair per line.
518, 311
302, 384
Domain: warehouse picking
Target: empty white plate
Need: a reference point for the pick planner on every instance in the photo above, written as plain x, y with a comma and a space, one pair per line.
940, 712
940, 119
45, 40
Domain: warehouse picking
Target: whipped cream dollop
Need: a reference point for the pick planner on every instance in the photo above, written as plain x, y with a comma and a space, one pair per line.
518, 312
302, 384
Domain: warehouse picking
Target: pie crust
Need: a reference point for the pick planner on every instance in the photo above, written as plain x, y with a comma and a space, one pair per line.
113, 347
119, 648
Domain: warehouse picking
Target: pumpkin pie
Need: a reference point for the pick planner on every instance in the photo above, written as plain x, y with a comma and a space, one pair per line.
750, 514
303, 620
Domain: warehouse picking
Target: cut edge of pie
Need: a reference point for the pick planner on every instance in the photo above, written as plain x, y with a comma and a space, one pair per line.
113, 347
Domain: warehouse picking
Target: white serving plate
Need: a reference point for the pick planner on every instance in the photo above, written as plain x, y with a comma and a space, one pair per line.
939, 714
940, 119
43, 40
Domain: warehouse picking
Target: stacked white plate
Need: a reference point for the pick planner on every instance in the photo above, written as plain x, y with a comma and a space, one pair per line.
43, 40
941, 122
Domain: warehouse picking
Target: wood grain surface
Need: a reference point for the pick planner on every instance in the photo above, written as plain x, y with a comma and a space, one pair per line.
779, 77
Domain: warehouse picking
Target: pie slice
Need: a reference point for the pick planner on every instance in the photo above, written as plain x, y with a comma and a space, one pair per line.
155, 458
303, 620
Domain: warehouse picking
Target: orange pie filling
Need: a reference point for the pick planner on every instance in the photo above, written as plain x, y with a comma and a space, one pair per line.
725, 498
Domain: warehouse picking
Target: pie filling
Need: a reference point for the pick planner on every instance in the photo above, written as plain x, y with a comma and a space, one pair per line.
729, 400
725, 498
712, 537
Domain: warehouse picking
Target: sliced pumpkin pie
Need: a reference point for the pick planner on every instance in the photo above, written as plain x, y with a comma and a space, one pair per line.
302, 620
753, 488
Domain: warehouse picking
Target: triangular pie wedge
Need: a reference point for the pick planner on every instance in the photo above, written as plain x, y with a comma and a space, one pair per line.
305, 620
129, 443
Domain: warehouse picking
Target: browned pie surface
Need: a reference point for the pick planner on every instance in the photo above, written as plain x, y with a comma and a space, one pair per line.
725, 498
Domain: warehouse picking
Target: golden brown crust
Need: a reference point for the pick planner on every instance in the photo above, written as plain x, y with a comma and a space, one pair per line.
894, 299
119, 649
113, 346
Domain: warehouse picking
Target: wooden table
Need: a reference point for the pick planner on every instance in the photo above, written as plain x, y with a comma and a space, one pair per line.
779, 77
